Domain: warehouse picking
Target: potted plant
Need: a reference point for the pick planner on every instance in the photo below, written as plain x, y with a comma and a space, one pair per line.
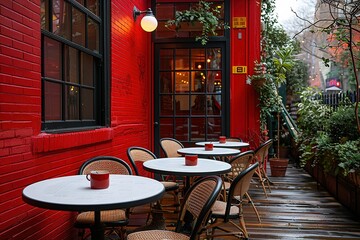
260, 76
202, 14
282, 63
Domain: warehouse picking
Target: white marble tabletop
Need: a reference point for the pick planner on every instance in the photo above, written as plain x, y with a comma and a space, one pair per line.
225, 145
176, 166
73, 193
216, 152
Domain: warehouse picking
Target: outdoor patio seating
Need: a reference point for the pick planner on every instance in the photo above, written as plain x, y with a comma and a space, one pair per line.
139, 155
170, 147
261, 155
238, 164
194, 211
226, 212
115, 220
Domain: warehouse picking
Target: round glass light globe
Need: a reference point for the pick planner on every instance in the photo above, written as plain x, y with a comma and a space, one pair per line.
149, 23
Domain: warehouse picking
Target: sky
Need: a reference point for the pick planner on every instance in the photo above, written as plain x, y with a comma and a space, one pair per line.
283, 9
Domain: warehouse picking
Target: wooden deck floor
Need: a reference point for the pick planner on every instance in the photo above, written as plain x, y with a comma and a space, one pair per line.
297, 208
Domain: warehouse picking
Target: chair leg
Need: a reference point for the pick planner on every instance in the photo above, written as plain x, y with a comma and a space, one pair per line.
266, 178
253, 206
261, 180
241, 220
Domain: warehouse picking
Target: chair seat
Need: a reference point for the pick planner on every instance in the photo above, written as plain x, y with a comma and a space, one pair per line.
156, 235
107, 217
219, 207
226, 185
170, 186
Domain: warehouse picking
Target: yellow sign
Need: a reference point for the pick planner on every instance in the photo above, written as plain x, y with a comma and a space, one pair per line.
239, 22
239, 69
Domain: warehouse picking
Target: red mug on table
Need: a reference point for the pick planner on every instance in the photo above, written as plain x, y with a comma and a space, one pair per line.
209, 146
222, 139
98, 179
191, 160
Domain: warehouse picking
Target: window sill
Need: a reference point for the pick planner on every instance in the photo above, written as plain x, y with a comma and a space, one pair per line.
46, 142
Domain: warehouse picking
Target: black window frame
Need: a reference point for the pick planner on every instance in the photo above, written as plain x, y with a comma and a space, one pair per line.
101, 86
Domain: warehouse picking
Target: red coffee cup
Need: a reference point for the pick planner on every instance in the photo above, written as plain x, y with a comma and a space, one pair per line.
209, 146
98, 179
191, 160
222, 139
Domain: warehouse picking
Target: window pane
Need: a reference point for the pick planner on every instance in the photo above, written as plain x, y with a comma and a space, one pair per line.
71, 62
182, 104
198, 59
199, 82
52, 59
181, 128
213, 81
182, 81
87, 69
93, 35
52, 101
166, 59
214, 105
93, 5
198, 128
166, 105
78, 27
182, 59
213, 58
198, 104
166, 127
87, 104
43, 15
166, 83
71, 103
61, 18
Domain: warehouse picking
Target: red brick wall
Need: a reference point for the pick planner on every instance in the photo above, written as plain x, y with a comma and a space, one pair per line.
26, 154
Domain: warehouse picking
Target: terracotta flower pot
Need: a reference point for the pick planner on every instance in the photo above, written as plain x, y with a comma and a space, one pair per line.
278, 166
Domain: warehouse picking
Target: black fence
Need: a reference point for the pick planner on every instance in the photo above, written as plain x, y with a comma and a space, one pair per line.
334, 99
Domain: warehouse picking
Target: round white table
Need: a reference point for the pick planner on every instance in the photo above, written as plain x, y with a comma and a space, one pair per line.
236, 145
176, 166
73, 193
216, 152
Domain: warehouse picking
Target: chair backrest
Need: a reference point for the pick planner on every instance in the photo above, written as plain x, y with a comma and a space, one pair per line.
139, 155
233, 139
112, 164
239, 163
197, 205
262, 152
170, 147
239, 187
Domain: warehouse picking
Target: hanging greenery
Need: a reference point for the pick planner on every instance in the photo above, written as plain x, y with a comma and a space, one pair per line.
201, 13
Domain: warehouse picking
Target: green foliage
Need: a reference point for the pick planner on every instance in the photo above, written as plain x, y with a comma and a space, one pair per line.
328, 137
349, 156
203, 13
343, 124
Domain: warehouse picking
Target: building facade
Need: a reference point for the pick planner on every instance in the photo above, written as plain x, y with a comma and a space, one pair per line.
80, 78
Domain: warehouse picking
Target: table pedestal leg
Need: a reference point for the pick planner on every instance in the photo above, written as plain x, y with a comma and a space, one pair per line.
97, 231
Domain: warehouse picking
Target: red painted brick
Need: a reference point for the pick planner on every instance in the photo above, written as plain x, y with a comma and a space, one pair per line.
12, 52
28, 48
4, 152
5, 40
7, 134
10, 13
26, 132
11, 33
25, 12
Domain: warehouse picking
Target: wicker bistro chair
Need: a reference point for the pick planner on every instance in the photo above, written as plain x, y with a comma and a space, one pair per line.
193, 214
170, 147
115, 220
234, 139
226, 212
261, 155
238, 164
137, 156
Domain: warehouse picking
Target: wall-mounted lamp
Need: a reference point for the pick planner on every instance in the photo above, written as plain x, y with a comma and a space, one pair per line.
148, 22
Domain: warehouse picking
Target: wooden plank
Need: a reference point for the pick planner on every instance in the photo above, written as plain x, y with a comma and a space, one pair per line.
296, 208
